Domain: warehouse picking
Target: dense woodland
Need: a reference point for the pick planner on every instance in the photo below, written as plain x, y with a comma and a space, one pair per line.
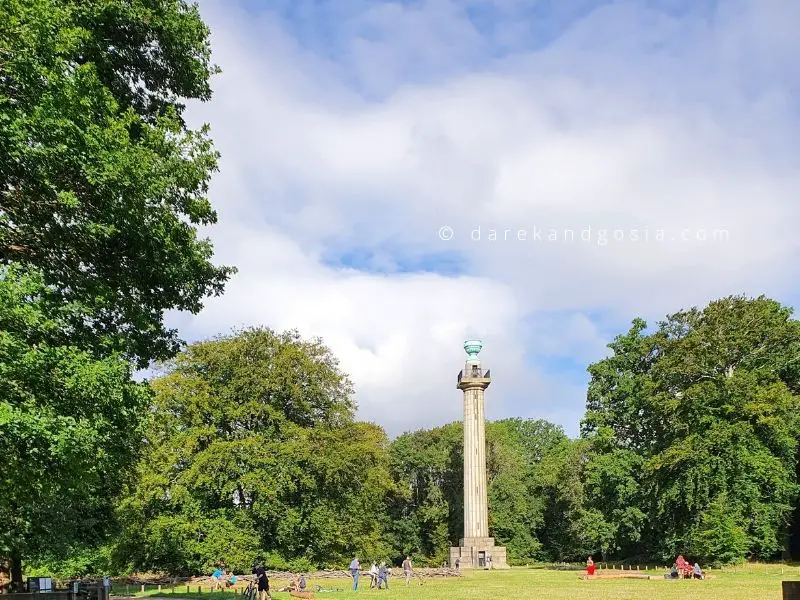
246, 447
251, 453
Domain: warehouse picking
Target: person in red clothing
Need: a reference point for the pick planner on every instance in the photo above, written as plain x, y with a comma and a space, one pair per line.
683, 566
590, 566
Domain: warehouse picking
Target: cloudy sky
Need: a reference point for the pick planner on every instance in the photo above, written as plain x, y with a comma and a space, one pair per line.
399, 176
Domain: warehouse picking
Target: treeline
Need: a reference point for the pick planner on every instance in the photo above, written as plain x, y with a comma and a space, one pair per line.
689, 446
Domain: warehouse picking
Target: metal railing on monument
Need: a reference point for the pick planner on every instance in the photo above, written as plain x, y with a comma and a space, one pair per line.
473, 373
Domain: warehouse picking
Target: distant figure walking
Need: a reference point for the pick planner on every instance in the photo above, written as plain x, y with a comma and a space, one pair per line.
407, 570
458, 563
355, 571
590, 566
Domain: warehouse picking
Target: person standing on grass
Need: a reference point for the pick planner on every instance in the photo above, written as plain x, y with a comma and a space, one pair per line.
373, 575
407, 570
355, 571
590, 566
383, 576
263, 582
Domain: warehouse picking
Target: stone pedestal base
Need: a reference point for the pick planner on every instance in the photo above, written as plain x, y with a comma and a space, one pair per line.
473, 552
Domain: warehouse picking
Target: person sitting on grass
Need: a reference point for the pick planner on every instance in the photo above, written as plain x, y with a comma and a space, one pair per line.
697, 572
231, 580
683, 566
216, 579
289, 587
673, 574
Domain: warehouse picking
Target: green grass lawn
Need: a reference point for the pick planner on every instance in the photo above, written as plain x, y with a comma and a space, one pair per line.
752, 583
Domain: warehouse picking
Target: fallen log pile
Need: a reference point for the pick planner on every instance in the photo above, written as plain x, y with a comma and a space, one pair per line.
616, 575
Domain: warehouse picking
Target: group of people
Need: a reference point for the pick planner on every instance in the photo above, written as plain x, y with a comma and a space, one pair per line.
681, 568
379, 578
379, 575
221, 577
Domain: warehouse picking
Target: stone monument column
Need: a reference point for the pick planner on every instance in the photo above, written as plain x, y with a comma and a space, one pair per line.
476, 549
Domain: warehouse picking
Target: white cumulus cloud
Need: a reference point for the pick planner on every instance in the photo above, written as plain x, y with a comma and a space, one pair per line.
633, 122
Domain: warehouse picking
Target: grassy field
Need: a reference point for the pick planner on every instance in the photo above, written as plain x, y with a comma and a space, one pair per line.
754, 583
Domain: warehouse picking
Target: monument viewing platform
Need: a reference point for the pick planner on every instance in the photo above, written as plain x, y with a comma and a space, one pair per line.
474, 372
473, 376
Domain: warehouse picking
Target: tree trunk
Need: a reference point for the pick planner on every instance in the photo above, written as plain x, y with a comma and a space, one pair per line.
16, 572
5, 575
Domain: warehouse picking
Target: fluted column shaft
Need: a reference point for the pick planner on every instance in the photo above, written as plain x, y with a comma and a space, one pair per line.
476, 510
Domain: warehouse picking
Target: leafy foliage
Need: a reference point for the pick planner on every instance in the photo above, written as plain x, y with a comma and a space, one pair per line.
69, 424
253, 454
689, 446
427, 516
695, 425
103, 184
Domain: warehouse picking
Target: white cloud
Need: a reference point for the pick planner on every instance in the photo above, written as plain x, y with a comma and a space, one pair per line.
589, 132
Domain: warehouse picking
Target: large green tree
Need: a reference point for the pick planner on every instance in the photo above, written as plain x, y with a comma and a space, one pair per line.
102, 191
695, 425
103, 184
253, 453
69, 428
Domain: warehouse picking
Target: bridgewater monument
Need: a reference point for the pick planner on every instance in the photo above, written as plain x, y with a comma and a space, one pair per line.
476, 549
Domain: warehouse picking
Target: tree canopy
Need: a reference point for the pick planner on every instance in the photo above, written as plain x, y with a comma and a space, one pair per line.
253, 454
69, 428
104, 185
104, 189
697, 425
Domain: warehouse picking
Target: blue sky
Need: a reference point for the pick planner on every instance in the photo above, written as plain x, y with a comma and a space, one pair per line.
352, 132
